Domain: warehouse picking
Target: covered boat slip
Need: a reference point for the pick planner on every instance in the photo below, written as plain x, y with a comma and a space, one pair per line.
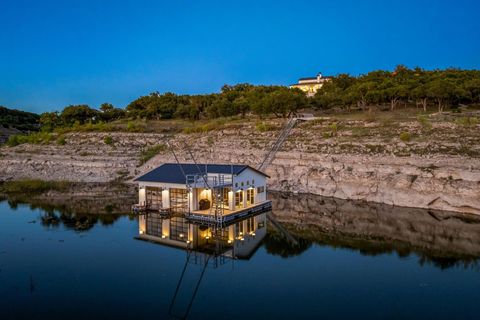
214, 194
198, 204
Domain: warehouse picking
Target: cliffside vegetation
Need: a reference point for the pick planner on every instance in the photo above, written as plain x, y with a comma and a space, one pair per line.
412, 92
32, 186
20, 120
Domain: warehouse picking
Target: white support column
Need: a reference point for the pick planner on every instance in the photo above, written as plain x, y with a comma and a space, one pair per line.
191, 196
194, 202
141, 195
244, 198
231, 200
166, 198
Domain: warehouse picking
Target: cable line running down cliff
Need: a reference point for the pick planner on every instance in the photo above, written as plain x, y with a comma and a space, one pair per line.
282, 137
278, 144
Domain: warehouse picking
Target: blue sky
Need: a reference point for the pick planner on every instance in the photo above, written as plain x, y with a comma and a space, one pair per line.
55, 53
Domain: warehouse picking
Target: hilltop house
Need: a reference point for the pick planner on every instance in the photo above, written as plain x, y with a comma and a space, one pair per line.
311, 85
200, 190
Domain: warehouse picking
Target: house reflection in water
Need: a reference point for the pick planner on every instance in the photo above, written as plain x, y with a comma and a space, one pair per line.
237, 239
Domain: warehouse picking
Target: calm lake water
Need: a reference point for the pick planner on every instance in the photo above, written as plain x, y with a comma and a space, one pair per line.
317, 258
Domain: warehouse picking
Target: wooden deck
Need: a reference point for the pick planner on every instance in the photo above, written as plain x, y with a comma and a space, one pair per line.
205, 216
208, 211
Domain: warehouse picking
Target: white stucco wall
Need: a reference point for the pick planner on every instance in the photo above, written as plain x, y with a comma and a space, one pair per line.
247, 177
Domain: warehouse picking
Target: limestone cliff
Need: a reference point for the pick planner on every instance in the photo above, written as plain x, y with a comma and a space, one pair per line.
442, 172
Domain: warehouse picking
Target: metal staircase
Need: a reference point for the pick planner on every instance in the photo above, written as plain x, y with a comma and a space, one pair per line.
217, 209
278, 144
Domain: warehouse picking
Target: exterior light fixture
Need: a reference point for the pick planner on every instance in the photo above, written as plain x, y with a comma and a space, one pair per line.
181, 235
242, 238
207, 237
163, 236
229, 241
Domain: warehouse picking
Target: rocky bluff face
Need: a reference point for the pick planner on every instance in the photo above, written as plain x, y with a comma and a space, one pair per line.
421, 174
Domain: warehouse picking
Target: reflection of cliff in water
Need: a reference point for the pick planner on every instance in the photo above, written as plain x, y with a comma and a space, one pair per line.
80, 207
443, 239
77, 222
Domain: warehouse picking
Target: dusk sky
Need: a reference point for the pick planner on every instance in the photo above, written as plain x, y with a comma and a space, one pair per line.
56, 53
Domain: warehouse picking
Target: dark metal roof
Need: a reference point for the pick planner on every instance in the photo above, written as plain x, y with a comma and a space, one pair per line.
171, 172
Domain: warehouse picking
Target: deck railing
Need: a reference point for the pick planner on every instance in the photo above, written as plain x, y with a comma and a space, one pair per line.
209, 180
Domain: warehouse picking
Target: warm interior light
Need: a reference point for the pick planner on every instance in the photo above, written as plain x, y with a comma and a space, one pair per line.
181, 235
207, 237
242, 238
229, 241
163, 236
253, 234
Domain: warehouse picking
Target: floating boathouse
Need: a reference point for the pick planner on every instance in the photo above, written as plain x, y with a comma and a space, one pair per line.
210, 193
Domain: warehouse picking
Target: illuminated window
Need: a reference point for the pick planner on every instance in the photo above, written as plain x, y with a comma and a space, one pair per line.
153, 197
250, 225
239, 199
250, 197
225, 195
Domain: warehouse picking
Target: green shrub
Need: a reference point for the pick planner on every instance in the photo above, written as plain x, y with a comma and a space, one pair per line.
135, 126
263, 127
210, 126
14, 140
33, 186
61, 140
423, 120
405, 136
333, 130
33, 138
108, 140
149, 153
467, 121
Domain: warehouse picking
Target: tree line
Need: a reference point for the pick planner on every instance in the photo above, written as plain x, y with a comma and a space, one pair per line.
388, 89
422, 88
20, 120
